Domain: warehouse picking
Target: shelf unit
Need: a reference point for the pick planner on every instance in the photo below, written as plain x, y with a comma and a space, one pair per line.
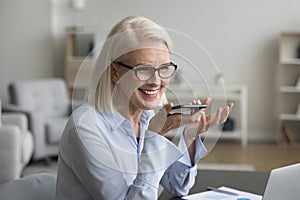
288, 85
79, 62
238, 94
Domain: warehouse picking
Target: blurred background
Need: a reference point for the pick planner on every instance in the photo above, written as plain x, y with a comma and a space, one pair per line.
249, 42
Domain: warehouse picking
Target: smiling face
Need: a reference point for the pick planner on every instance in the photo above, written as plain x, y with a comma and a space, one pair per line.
139, 94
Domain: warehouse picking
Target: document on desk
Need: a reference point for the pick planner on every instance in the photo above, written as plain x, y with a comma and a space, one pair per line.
219, 195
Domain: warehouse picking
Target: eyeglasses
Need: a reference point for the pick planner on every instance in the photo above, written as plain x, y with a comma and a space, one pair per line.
144, 72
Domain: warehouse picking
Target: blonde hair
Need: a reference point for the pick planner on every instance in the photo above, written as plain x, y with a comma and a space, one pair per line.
127, 35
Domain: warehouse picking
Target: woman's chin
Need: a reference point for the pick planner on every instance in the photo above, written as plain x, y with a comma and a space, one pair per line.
151, 106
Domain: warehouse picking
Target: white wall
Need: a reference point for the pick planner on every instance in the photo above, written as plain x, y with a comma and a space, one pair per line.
26, 49
241, 36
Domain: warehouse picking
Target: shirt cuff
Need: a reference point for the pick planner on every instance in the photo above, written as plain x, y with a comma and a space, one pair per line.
200, 151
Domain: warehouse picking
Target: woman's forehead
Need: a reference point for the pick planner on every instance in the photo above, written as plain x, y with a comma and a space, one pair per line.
148, 56
152, 55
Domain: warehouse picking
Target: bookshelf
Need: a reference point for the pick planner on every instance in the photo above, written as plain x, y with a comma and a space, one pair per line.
79, 60
288, 85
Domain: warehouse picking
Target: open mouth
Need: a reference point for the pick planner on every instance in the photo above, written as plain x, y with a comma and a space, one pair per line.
149, 92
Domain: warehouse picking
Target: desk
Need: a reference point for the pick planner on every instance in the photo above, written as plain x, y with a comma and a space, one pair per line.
249, 181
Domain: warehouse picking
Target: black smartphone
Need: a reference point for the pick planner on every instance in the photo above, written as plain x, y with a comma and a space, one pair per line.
189, 106
186, 108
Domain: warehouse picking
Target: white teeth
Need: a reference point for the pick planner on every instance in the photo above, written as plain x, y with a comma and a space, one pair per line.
150, 92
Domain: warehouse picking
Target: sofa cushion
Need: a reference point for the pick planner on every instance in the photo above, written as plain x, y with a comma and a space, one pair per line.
54, 129
33, 187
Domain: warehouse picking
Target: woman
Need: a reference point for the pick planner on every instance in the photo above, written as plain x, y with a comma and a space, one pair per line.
114, 147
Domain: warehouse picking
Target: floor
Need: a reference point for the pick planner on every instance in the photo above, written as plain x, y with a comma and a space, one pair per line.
225, 155
263, 156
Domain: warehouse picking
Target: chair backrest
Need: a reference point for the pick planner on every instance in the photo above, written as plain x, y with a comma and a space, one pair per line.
33, 187
47, 96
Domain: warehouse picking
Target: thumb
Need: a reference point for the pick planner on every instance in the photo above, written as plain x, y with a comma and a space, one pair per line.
207, 101
168, 107
157, 122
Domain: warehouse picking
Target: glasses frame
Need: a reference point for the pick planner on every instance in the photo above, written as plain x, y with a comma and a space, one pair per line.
135, 69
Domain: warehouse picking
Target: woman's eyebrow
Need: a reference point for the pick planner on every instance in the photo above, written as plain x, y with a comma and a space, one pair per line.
151, 64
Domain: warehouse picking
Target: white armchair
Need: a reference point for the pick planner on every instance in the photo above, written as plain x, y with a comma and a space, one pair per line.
16, 145
47, 106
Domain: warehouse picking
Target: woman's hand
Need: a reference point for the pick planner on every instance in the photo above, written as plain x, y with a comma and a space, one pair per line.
163, 122
205, 122
197, 122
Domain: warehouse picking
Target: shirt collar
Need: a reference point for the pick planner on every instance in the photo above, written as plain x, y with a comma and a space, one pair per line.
146, 116
115, 119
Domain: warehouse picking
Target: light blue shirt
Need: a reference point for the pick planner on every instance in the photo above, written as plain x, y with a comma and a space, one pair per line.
100, 158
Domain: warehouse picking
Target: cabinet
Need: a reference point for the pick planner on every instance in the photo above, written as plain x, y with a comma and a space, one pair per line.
288, 83
79, 62
238, 94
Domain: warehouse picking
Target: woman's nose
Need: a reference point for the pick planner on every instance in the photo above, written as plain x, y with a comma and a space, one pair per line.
155, 78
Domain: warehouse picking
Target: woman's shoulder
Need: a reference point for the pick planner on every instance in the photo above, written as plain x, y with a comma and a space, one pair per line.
87, 114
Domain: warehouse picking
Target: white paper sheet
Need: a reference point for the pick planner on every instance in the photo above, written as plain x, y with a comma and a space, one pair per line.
212, 195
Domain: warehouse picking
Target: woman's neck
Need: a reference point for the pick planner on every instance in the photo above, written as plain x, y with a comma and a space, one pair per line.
131, 113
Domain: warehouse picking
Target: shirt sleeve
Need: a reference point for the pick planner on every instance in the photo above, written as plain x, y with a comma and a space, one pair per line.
179, 178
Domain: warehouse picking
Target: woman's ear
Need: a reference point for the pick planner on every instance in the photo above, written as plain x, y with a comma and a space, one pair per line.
114, 75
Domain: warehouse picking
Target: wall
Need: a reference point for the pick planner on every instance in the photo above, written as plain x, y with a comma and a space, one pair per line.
26, 48
241, 37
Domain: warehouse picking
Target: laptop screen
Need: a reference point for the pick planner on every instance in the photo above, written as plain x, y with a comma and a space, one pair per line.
283, 184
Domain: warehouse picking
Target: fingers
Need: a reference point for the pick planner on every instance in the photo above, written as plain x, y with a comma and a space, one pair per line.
202, 124
198, 119
224, 115
207, 101
230, 106
164, 111
168, 107
221, 115
217, 117
160, 122
195, 102
196, 115
226, 112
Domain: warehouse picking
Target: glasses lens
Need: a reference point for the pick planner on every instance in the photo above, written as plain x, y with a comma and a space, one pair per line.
144, 72
166, 71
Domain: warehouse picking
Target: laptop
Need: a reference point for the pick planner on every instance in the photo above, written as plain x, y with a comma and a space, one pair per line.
283, 183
